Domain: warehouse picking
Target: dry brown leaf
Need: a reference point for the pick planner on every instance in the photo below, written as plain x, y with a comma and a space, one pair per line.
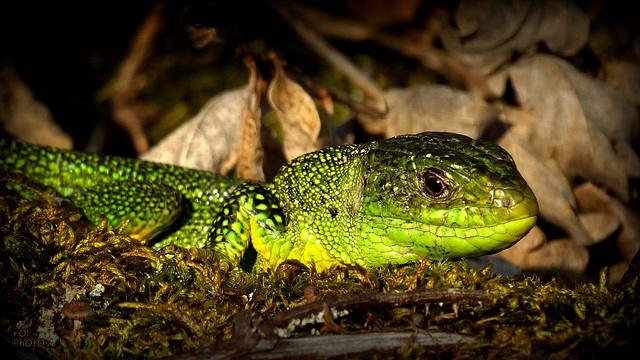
599, 225
591, 197
25, 117
296, 112
518, 253
201, 35
209, 141
617, 271
578, 119
624, 75
555, 198
436, 108
250, 150
559, 255
628, 157
605, 106
489, 31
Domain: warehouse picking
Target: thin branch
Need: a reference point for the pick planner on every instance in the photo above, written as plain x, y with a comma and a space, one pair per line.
323, 48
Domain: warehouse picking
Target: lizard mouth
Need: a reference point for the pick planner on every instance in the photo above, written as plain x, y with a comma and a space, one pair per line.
506, 234
484, 233
490, 239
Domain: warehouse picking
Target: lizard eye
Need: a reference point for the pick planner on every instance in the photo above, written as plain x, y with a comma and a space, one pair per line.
434, 183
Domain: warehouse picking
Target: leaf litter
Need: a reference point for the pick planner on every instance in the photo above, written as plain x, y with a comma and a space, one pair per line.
570, 133
488, 32
563, 126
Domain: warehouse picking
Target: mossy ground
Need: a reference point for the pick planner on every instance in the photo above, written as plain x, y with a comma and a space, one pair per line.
133, 303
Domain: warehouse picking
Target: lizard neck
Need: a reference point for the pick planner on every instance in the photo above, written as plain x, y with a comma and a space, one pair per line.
320, 194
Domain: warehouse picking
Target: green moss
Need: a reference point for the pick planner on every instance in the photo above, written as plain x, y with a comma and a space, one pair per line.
148, 305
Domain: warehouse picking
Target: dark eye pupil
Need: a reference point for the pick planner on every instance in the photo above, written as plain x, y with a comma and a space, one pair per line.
434, 185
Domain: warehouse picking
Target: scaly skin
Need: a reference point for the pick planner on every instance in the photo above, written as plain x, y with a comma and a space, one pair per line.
435, 195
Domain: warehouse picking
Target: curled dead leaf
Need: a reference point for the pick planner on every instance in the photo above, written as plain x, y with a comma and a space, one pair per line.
628, 241
201, 36
579, 119
624, 75
559, 255
296, 112
487, 32
250, 149
599, 225
628, 157
209, 141
617, 271
436, 108
555, 198
518, 253
25, 117
605, 106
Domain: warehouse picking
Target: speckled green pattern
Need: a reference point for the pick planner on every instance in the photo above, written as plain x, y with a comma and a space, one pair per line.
436, 195
367, 204
154, 197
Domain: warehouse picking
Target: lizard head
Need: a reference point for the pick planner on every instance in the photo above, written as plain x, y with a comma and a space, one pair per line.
441, 195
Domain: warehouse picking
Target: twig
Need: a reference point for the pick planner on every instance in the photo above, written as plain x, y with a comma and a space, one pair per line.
323, 48
260, 343
128, 111
432, 58
317, 90
440, 62
269, 326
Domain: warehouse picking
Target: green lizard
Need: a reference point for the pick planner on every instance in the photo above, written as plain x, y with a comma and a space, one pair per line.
435, 195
